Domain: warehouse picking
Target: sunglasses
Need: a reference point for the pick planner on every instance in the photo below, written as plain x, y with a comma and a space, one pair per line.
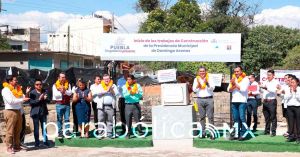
38, 84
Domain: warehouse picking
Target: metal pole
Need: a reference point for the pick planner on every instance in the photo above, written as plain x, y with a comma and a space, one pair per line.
68, 53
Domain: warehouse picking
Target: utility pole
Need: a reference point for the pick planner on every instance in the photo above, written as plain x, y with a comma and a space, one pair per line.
113, 23
1, 7
68, 53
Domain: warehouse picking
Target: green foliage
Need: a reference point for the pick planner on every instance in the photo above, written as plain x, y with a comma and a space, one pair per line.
292, 60
147, 5
159, 65
184, 16
154, 23
212, 67
267, 46
4, 44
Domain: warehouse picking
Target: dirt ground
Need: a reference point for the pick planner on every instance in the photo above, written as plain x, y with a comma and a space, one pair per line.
165, 151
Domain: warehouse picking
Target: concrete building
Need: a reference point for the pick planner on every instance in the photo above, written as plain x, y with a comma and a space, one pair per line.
47, 60
23, 39
84, 35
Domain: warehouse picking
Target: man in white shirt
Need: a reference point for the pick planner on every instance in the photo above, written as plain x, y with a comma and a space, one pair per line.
292, 100
203, 86
252, 103
93, 88
105, 97
281, 91
239, 88
270, 87
13, 99
61, 94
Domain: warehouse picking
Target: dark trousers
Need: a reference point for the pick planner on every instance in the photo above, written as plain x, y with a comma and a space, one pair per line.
293, 113
135, 111
75, 121
95, 111
122, 113
270, 114
39, 120
252, 110
22, 134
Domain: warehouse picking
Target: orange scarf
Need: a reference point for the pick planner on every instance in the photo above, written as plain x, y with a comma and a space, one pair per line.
105, 87
241, 77
203, 86
134, 89
17, 92
58, 85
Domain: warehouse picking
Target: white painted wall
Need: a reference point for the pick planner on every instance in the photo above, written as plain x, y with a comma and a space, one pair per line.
84, 39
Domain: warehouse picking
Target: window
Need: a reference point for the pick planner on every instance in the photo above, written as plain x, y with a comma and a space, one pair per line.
18, 31
16, 47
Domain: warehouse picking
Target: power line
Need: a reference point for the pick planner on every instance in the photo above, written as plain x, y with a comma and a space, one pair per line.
121, 25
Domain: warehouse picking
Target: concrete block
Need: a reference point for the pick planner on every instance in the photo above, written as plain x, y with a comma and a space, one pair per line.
172, 122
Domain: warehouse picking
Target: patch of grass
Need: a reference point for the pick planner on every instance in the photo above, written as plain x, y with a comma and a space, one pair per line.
117, 142
261, 143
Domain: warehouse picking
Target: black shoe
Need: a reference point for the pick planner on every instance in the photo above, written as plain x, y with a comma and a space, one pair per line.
212, 138
68, 135
203, 136
242, 139
127, 137
231, 138
266, 133
60, 136
273, 134
290, 140
47, 144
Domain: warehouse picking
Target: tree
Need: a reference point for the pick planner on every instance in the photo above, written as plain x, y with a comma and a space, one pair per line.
231, 16
4, 44
147, 5
292, 60
154, 23
184, 16
267, 46
212, 67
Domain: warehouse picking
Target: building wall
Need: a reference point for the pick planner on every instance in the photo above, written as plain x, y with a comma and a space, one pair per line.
24, 44
19, 64
84, 38
21, 59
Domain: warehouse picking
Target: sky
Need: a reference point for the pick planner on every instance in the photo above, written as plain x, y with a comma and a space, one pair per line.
50, 14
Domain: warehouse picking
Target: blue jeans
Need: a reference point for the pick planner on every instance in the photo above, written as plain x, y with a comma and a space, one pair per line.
39, 120
63, 112
238, 111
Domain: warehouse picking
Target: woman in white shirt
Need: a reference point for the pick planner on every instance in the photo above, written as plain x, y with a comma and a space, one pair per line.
292, 100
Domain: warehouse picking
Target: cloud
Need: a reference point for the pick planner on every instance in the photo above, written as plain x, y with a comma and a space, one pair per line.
288, 16
50, 22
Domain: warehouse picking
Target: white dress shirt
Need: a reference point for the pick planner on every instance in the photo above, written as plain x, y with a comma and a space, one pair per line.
207, 92
241, 95
57, 95
10, 101
271, 86
292, 98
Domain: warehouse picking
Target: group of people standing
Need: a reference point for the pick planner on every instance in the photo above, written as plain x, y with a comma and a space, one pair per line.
104, 97
247, 96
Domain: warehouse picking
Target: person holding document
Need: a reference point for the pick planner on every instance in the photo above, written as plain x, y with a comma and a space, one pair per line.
253, 102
